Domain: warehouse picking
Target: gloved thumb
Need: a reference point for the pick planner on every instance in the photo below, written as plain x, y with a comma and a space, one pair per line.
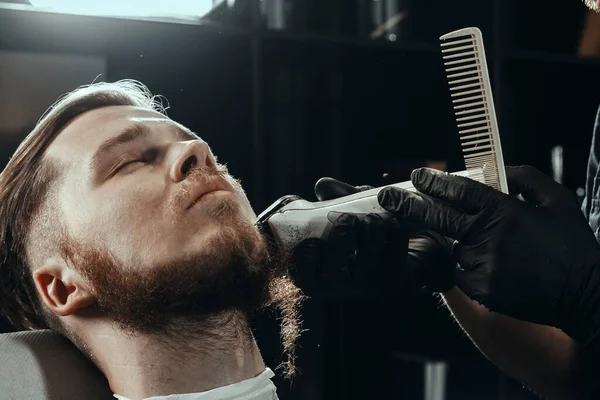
330, 188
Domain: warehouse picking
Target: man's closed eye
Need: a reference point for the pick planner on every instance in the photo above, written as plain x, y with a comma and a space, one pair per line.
131, 164
127, 166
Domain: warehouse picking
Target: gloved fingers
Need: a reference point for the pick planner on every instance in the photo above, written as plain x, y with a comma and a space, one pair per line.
393, 263
460, 253
330, 188
474, 284
435, 214
307, 256
423, 248
417, 257
371, 245
430, 262
341, 243
460, 192
535, 187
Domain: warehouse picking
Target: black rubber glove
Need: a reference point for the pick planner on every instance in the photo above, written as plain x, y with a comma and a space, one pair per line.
372, 247
430, 263
536, 260
363, 250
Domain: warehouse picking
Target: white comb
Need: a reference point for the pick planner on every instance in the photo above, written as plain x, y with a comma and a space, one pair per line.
292, 219
471, 93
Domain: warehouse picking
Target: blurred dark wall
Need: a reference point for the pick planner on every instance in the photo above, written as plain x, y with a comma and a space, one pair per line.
319, 96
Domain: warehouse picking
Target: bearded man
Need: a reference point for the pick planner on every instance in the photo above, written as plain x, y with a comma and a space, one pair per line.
121, 231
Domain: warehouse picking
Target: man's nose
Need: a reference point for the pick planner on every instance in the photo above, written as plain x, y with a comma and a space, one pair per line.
195, 153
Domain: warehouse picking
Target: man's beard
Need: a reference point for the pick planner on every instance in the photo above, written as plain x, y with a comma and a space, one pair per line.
236, 271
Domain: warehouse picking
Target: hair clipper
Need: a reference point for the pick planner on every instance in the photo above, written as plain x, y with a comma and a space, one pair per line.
291, 219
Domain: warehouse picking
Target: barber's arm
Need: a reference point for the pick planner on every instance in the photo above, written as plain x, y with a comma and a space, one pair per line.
536, 260
543, 358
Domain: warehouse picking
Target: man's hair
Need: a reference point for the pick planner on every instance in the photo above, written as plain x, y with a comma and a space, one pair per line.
25, 185
593, 4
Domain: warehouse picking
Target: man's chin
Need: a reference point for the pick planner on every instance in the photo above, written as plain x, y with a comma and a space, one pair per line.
224, 209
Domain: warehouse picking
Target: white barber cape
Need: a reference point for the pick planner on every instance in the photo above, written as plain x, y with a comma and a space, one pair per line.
258, 388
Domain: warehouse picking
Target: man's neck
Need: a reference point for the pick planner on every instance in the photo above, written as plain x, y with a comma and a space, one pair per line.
187, 360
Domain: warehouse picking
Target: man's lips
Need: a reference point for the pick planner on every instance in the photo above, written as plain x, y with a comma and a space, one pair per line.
219, 193
211, 190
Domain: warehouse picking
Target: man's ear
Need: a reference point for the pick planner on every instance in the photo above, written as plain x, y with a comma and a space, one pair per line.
61, 288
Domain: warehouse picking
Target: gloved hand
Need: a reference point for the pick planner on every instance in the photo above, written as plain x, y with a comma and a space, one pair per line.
360, 249
536, 260
430, 263
372, 247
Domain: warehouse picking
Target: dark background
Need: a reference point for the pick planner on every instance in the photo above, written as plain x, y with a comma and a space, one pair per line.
285, 105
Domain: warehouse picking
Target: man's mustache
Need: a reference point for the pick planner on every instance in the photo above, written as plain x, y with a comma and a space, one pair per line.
196, 176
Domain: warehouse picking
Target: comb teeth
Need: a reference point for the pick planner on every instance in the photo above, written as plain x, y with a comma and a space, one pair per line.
466, 70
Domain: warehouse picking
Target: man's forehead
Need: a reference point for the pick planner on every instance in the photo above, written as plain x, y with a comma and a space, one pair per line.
88, 131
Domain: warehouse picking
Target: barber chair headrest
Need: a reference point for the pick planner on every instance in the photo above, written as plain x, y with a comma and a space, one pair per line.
43, 365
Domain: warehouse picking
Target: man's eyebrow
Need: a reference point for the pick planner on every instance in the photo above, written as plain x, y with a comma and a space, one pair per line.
131, 133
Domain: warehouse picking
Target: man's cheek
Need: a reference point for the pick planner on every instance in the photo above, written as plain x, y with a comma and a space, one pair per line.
123, 229
152, 239
141, 232
242, 200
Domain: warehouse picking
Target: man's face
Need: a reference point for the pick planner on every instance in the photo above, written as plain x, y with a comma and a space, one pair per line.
135, 197
152, 221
